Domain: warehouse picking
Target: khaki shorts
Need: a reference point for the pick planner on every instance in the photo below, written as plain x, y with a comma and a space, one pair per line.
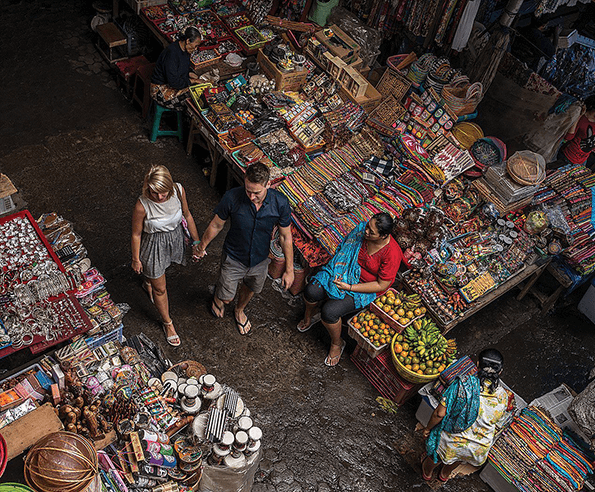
232, 272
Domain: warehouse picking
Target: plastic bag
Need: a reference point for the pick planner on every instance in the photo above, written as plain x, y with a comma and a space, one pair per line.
545, 139
223, 479
369, 39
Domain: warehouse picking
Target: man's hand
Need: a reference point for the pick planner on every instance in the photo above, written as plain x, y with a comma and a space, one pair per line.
287, 279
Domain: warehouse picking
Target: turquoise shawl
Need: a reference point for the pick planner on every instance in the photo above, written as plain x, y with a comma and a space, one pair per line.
462, 409
345, 267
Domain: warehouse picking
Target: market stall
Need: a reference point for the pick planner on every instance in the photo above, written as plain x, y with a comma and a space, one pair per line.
146, 423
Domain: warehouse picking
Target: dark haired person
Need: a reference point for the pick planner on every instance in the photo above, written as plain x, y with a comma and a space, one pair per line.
364, 266
463, 426
172, 76
253, 210
581, 137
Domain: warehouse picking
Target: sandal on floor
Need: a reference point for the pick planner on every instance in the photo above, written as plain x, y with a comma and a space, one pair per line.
333, 361
425, 477
315, 319
173, 340
214, 308
441, 478
243, 328
149, 292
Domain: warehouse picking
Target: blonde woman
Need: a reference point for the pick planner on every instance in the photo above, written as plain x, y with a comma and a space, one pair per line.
158, 238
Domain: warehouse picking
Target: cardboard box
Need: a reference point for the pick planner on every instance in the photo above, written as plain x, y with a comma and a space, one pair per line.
26, 431
346, 48
368, 101
291, 81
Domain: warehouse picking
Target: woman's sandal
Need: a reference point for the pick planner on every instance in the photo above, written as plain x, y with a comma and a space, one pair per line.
333, 361
173, 340
425, 477
440, 477
315, 319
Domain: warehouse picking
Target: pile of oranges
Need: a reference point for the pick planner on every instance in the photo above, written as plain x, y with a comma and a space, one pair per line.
401, 307
371, 327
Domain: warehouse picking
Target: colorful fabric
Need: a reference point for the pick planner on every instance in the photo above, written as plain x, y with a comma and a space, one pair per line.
345, 267
461, 400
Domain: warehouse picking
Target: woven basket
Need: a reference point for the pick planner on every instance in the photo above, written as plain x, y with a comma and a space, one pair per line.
393, 83
467, 133
526, 168
400, 62
488, 151
420, 68
461, 96
405, 373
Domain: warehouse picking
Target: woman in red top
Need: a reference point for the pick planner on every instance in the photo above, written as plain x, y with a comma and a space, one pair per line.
379, 259
581, 138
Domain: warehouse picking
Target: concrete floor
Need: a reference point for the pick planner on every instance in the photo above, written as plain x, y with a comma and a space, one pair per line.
73, 144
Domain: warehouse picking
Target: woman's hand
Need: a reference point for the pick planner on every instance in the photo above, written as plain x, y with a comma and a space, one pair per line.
197, 252
342, 285
425, 432
137, 266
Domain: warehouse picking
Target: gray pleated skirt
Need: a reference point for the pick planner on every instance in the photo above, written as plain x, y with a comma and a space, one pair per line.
160, 249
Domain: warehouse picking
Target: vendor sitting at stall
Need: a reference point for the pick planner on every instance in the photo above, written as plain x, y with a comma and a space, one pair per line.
580, 139
172, 76
463, 426
365, 265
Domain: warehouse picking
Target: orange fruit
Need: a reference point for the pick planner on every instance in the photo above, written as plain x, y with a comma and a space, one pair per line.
354, 319
404, 353
385, 331
415, 367
357, 326
382, 341
401, 312
377, 337
408, 366
410, 314
398, 348
419, 371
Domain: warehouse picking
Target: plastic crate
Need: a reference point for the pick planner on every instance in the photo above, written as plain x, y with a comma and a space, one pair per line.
383, 376
364, 343
112, 336
389, 319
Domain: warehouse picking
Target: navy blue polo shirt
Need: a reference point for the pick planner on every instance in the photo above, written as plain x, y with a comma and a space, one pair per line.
249, 237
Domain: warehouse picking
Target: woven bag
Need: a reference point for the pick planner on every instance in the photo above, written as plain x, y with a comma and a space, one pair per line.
461, 96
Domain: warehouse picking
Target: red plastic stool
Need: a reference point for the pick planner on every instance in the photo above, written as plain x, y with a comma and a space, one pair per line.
127, 72
141, 92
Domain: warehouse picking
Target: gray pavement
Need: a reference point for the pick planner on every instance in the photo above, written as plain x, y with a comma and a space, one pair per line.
73, 144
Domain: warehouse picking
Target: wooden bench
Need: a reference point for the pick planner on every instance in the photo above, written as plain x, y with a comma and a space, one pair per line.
110, 37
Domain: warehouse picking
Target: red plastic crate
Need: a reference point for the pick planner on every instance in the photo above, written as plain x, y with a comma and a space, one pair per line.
383, 376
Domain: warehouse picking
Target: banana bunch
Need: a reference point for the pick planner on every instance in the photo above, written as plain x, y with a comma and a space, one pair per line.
410, 302
427, 343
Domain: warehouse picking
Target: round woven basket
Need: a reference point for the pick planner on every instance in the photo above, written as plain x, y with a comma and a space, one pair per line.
61, 462
405, 373
467, 133
526, 168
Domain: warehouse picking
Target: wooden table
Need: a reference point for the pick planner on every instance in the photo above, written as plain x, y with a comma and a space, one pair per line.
530, 273
218, 154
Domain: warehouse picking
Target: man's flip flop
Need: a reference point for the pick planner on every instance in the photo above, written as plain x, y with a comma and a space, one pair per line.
214, 307
242, 326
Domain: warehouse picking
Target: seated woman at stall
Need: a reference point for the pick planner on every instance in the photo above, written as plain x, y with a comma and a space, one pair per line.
172, 76
365, 265
463, 426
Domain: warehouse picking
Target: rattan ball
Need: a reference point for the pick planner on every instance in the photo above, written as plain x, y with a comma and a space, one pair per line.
61, 462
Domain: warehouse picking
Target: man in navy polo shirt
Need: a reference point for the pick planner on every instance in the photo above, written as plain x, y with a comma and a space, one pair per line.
254, 210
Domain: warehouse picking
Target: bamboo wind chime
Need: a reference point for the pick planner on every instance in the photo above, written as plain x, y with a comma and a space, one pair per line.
485, 67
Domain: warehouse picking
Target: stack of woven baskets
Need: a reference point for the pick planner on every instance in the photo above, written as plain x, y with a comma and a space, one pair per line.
526, 168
